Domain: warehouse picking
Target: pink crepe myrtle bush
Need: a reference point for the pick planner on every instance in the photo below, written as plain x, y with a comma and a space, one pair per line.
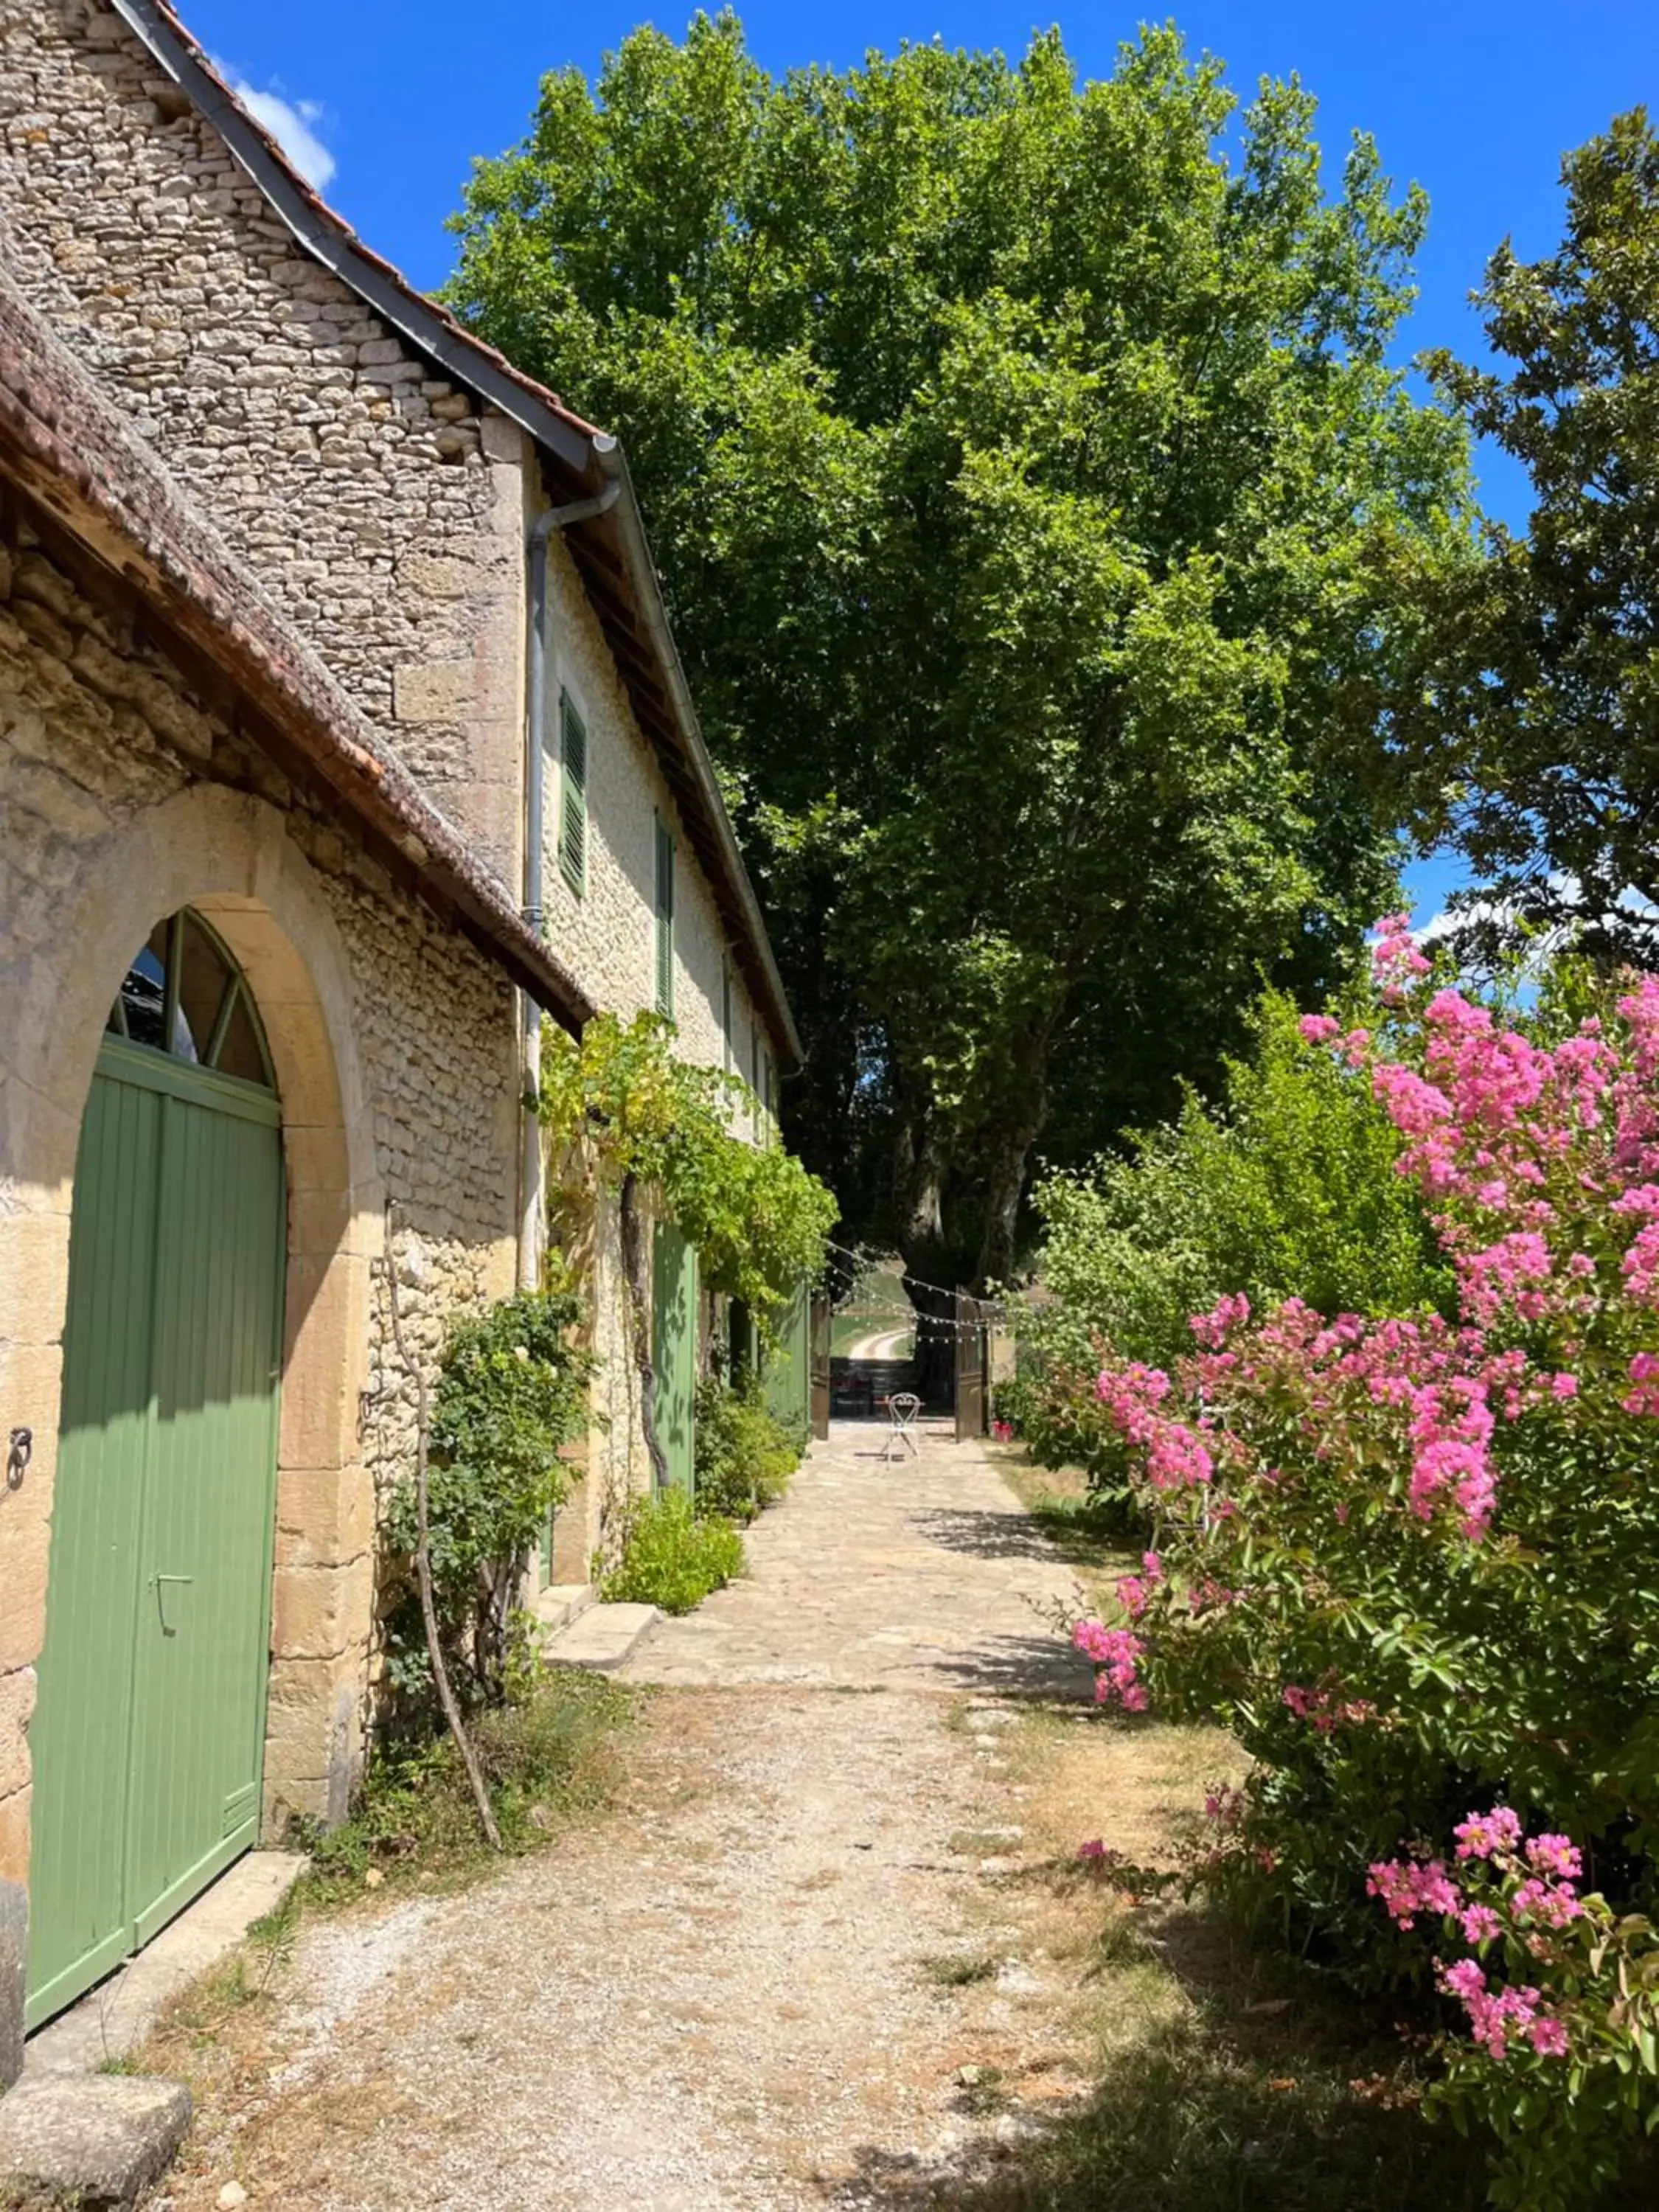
1555, 2000
1284, 1184
1408, 1556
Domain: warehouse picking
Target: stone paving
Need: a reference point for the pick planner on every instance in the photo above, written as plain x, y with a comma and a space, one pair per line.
918, 1573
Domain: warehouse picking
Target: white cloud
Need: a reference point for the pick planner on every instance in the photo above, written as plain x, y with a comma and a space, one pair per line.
292, 123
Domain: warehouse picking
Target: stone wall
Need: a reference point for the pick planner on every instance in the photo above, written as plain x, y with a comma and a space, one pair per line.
608, 933
382, 508
123, 793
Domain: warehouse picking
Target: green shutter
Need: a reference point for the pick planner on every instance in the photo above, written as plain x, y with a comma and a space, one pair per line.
787, 1378
573, 800
665, 919
674, 1350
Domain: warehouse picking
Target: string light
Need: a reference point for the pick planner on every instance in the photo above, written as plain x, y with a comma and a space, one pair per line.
989, 1312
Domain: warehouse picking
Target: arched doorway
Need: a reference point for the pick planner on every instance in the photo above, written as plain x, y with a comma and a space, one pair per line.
147, 1741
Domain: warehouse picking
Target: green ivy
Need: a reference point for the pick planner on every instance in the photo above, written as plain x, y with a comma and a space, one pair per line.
620, 1103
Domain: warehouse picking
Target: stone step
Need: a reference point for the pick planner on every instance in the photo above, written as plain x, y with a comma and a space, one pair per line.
92, 2139
602, 1637
557, 1605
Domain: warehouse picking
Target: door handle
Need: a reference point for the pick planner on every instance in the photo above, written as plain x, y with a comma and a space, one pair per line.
159, 1581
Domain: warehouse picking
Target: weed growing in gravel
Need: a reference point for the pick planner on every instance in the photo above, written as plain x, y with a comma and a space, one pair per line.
413, 1825
959, 1970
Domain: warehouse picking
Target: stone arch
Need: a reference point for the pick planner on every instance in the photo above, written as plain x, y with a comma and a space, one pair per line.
228, 854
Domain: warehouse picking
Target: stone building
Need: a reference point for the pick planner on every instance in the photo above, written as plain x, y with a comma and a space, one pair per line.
341, 735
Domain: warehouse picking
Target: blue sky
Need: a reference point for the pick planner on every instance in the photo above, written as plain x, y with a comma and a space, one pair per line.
388, 100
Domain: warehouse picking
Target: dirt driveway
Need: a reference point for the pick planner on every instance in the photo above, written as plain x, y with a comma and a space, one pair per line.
798, 1966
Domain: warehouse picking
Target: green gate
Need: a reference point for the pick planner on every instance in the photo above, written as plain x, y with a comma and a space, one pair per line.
674, 1350
148, 1735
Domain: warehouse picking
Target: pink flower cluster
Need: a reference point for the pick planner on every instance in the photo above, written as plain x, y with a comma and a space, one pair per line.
1543, 1897
1396, 960
1547, 1896
1484, 1834
1452, 1431
1134, 1591
1115, 1652
1497, 2015
1213, 1328
1517, 1144
1644, 1375
1407, 1887
1175, 1453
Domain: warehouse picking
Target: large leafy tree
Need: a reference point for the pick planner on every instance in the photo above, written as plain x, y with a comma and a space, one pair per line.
1533, 732
1031, 492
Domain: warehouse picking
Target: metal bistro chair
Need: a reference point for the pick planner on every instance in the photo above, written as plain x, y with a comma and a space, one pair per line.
902, 1410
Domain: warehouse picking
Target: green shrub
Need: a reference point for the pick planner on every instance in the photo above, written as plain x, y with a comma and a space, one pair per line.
511, 1391
671, 1556
1288, 1188
744, 1456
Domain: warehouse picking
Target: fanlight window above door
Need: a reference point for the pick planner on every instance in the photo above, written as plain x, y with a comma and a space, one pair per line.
186, 996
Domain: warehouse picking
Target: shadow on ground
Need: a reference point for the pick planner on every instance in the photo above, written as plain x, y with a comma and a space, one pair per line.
987, 1534
1246, 2101
1041, 1667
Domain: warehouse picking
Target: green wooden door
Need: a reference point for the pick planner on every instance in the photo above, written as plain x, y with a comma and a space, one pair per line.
149, 1729
674, 1350
786, 1376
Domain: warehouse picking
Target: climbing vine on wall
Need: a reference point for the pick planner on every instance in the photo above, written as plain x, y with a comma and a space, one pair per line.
621, 1104
623, 1115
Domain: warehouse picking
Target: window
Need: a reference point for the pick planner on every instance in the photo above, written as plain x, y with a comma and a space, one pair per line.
726, 1011
755, 1074
665, 919
573, 795
184, 996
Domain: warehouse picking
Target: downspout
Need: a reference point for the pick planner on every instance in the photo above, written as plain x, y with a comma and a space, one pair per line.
531, 1197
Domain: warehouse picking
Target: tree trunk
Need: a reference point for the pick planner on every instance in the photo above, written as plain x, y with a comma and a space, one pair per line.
1005, 1184
633, 1245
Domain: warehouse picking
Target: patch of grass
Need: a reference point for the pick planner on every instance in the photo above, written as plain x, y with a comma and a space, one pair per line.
1223, 2079
980, 1842
959, 1970
415, 1826
983, 2091
1085, 1530
29, 2197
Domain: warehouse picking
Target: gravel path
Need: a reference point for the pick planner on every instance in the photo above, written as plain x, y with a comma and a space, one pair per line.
729, 1996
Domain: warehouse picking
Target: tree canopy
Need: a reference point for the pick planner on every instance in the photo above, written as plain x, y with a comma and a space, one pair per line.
1032, 494
1532, 733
